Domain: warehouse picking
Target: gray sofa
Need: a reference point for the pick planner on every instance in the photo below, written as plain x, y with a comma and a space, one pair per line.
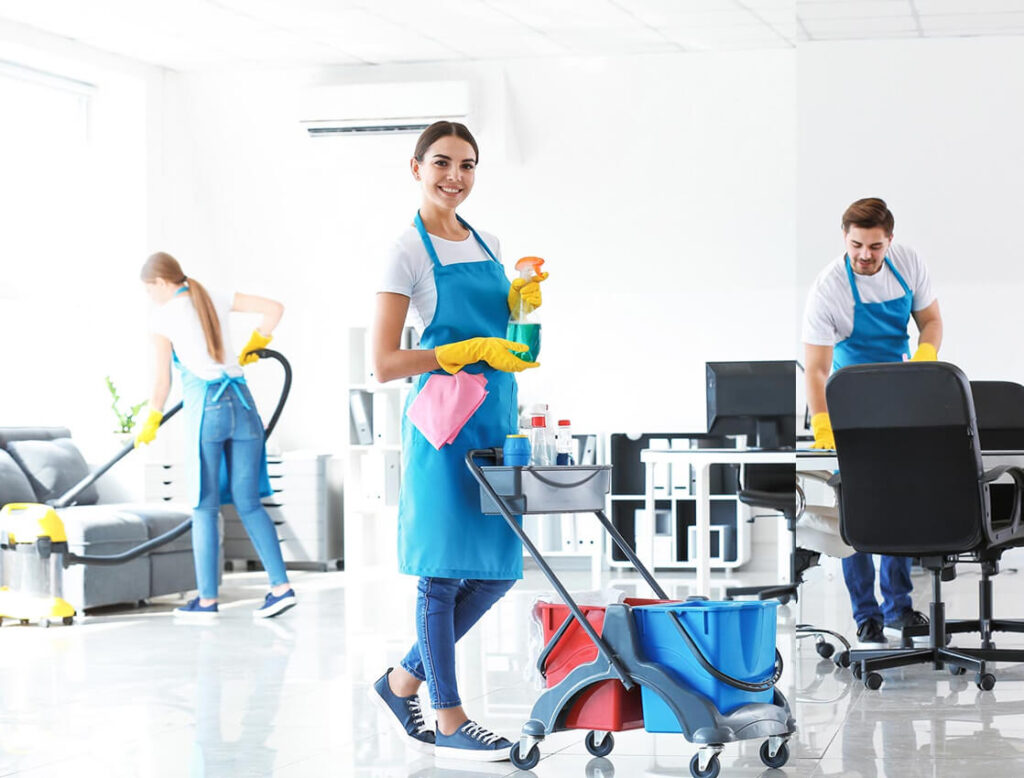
39, 464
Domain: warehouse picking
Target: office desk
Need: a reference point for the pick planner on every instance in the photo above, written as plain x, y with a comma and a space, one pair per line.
701, 459
820, 459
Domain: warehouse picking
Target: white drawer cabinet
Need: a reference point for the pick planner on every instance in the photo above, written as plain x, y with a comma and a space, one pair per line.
298, 508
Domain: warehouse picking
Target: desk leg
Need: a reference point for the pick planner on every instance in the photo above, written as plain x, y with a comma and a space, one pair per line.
702, 474
644, 529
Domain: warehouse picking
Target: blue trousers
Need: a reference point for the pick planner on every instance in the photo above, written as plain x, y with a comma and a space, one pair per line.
859, 572
231, 429
446, 608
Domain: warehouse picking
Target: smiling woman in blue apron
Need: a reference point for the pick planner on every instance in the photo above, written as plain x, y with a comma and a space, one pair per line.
225, 456
448, 278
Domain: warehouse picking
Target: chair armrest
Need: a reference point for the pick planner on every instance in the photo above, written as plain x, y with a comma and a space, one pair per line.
1017, 474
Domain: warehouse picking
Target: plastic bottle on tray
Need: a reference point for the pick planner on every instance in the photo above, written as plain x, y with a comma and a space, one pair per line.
540, 453
564, 443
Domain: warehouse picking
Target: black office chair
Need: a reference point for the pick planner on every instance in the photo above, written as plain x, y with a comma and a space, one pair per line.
774, 487
911, 483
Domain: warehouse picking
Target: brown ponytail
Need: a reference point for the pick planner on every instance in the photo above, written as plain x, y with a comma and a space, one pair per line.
162, 265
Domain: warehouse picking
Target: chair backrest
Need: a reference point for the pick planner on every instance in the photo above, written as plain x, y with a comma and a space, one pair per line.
909, 459
999, 409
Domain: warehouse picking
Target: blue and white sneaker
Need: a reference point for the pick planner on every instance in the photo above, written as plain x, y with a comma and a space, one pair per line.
471, 741
274, 606
193, 610
404, 714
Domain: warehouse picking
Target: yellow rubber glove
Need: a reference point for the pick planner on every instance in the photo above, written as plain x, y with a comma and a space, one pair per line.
925, 353
148, 432
496, 352
526, 290
256, 341
822, 426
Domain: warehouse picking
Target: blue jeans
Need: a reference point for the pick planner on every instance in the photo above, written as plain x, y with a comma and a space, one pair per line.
232, 430
446, 608
859, 572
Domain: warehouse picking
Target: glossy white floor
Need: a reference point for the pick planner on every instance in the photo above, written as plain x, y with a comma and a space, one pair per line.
131, 693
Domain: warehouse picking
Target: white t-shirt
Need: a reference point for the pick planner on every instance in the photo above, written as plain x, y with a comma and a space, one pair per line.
409, 271
178, 321
828, 316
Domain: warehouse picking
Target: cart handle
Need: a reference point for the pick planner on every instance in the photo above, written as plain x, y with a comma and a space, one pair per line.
542, 660
736, 683
560, 485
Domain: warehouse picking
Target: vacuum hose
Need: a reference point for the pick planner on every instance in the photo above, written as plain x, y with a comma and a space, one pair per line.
115, 559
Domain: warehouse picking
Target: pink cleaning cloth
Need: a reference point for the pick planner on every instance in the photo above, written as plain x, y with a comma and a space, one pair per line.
445, 404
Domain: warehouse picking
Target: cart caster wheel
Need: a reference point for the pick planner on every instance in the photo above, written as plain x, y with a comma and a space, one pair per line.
68, 620
711, 771
857, 670
825, 649
44, 623
780, 758
604, 748
527, 762
24, 622
873, 681
842, 659
956, 670
986, 682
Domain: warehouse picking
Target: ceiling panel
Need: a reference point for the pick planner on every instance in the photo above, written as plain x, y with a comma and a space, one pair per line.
197, 34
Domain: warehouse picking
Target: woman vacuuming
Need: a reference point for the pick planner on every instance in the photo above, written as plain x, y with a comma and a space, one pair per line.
225, 456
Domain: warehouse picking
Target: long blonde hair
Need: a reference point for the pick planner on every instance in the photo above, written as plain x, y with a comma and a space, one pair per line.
163, 265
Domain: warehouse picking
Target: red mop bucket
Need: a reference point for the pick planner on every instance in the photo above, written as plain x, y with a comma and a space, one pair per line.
604, 706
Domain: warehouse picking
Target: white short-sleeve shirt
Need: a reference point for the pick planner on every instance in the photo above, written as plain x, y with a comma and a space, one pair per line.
828, 315
178, 321
409, 271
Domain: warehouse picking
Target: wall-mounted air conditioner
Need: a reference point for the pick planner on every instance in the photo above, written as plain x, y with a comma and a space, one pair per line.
374, 109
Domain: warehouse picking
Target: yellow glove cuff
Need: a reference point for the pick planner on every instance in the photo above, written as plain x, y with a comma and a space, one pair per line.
926, 352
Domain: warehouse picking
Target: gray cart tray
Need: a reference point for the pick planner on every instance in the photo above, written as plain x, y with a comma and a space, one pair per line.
547, 489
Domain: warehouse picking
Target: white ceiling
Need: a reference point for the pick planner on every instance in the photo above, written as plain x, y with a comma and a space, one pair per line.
198, 34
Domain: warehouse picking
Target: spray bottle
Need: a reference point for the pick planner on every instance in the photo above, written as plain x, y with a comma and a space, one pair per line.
523, 322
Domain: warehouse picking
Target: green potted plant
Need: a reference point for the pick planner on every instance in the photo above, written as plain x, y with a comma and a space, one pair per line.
125, 419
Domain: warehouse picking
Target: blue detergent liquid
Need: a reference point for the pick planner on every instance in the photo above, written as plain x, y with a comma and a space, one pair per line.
528, 334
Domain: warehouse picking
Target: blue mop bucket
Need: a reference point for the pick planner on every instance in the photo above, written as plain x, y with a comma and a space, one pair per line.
736, 638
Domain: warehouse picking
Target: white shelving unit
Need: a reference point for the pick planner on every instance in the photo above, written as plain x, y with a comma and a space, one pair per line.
373, 469
675, 506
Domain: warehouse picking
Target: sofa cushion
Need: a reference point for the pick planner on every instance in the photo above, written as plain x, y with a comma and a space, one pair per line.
14, 485
53, 467
160, 518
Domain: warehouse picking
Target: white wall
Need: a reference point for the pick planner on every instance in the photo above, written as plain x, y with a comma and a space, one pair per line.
79, 317
660, 189
934, 127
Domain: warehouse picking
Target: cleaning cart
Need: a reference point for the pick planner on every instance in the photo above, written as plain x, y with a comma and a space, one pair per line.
706, 670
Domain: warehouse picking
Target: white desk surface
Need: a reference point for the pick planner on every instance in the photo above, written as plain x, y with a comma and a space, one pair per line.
825, 459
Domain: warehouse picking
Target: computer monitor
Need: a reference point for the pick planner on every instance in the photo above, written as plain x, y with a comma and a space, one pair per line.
756, 399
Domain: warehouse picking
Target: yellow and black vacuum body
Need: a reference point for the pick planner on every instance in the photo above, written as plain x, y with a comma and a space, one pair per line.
33, 546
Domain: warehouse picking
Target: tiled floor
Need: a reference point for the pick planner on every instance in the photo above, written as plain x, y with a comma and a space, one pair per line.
131, 693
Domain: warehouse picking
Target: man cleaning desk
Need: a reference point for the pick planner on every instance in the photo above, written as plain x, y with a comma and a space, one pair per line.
857, 312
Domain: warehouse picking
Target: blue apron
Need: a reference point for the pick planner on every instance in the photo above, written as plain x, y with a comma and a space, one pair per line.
879, 329
194, 391
441, 531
